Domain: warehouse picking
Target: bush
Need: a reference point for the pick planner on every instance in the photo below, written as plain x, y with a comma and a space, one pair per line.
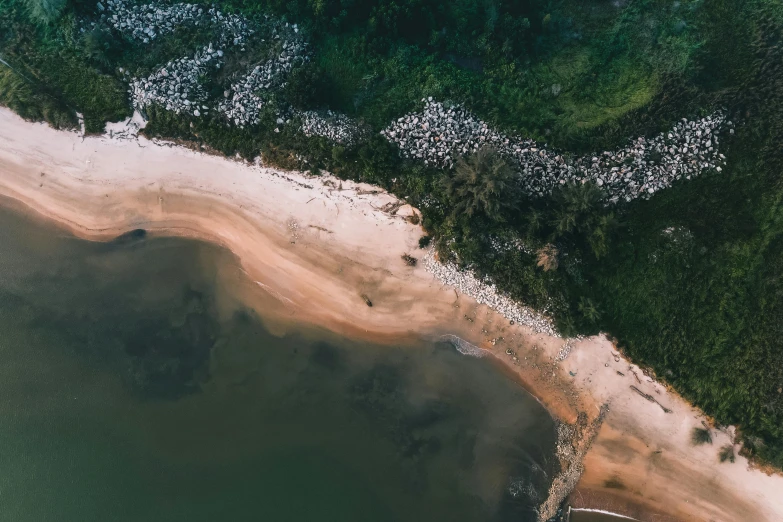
726, 454
307, 87
700, 436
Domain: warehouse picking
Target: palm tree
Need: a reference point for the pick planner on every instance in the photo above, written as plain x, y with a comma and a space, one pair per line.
96, 44
599, 237
575, 202
45, 11
579, 212
701, 436
547, 257
484, 184
588, 309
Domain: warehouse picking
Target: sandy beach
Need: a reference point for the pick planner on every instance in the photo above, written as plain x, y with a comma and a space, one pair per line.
320, 246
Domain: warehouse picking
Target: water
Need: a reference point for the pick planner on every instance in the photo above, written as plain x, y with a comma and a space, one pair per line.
592, 516
136, 386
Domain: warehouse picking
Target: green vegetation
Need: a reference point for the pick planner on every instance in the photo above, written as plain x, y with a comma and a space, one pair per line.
689, 282
45, 11
482, 185
701, 436
726, 454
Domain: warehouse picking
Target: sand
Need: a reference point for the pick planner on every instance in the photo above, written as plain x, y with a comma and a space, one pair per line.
317, 245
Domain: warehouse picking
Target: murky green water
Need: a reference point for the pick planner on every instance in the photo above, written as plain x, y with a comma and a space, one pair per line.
133, 388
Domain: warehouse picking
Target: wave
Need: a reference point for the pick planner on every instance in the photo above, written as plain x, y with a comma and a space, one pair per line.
463, 347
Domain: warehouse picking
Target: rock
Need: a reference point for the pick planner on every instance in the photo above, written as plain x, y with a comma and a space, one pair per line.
453, 131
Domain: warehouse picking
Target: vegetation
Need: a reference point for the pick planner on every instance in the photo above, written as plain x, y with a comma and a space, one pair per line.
701, 436
409, 260
726, 454
689, 282
45, 11
482, 186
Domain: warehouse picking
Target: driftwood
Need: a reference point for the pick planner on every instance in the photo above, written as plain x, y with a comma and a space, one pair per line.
640, 392
650, 398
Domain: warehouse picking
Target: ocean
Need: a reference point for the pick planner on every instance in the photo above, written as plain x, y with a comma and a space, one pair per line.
136, 385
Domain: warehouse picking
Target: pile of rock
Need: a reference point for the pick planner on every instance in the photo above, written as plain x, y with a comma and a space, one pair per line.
176, 86
487, 294
145, 22
333, 126
439, 135
242, 105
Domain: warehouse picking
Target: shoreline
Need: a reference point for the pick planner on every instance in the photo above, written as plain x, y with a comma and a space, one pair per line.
319, 244
601, 511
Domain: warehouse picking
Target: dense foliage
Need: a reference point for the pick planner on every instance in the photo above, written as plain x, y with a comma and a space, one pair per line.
689, 282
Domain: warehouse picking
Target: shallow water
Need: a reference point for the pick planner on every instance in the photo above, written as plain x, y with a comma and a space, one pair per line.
133, 387
592, 516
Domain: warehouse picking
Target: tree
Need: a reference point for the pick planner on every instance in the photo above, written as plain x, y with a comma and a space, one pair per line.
45, 11
547, 257
574, 204
307, 87
600, 234
589, 310
701, 436
482, 185
96, 45
726, 454
579, 213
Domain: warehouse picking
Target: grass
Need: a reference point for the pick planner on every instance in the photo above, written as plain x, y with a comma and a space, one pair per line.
100, 97
18, 94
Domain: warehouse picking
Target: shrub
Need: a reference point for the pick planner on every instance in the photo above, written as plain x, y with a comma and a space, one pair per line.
700, 436
726, 453
307, 87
